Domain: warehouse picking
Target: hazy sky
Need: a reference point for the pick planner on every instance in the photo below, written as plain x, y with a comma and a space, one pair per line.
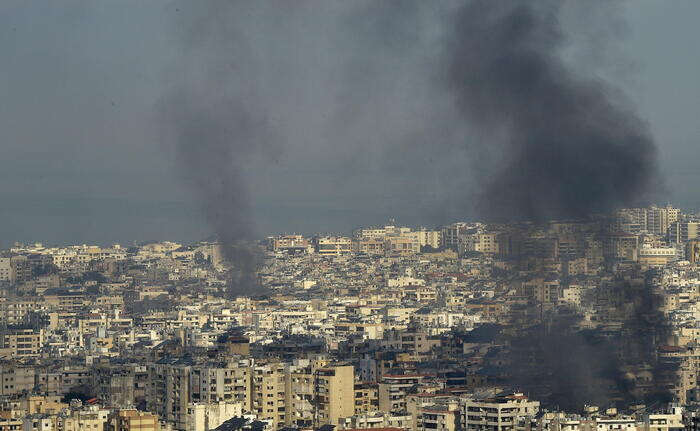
83, 157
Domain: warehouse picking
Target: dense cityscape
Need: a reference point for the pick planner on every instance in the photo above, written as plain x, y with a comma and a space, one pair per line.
466, 326
332, 215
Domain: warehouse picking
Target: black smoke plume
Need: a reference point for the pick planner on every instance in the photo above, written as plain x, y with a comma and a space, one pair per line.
566, 145
553, 143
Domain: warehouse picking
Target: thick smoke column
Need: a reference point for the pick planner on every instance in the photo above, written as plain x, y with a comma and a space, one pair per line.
569, 147
554, 144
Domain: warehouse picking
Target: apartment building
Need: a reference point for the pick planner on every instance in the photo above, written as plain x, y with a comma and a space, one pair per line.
5, 269
208, 416
335, 393
681, 232
366, 398
289, 243
393, 390
270, 389
438, 417
405, 244
168, 392
302, 397
21, 342
132, 420
16, 379
332, 245
14, 311
654, 257
221, 384
429, 238
497, 414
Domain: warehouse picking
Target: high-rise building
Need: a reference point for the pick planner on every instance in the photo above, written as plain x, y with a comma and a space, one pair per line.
232, 383
653, 219
692, 252
683, 231
168, 392
270, 389
335, 393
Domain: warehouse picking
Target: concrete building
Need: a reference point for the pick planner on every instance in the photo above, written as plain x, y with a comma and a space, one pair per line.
332, 245
5, 269
335, 393
270, 390
231, 384
681, 232
653, 257
289, 243
169, 393
132, 420
208, 416
21, 342
692, 251
393, 390
498, 413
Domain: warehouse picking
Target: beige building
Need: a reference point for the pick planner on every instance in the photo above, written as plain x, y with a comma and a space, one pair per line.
5, 269
208, 416
21, 343
168, 393
683, 231
366, 398
369, 246
498, 413
429, 238
692, 251
438, 417
270, 388
16, 380
302, 397
89, 418
230, 384
653, 257
335, 393
402, 244
289, 243
333, 245
393, 390
132, 420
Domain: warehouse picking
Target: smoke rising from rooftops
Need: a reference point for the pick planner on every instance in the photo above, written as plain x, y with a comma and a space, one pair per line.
553, 143
328, 88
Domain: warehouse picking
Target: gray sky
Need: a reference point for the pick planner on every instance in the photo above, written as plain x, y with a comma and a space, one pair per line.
83, 153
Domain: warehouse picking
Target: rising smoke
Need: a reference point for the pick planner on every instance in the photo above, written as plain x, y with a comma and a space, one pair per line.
217, 126
556, 144
342, 90
323, 88
565, 145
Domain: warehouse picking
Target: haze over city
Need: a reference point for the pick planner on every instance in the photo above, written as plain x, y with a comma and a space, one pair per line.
349, 215
84, 158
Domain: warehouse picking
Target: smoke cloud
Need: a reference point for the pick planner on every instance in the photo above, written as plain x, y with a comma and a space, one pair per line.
553, 143
353, 93
217, 125
331, 89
